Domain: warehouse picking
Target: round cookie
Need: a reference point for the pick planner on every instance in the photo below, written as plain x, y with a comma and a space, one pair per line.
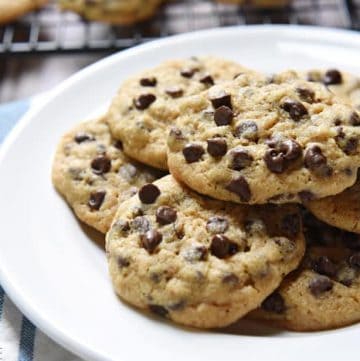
147, 104
341, 210
123, 12
92, 173
251, 141
324, 292
13, 9
198, 261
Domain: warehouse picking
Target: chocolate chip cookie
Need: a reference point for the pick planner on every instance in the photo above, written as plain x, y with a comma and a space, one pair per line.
92, 173
11, 10
324, 292
122, 12
147, 104
254, 141
197, 261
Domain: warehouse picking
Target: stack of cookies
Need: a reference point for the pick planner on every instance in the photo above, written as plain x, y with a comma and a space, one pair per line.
259, 215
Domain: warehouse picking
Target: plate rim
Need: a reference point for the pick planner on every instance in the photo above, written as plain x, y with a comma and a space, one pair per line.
12, 290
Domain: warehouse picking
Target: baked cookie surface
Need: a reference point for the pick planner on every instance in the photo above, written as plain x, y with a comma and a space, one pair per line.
92, 173
122, 12
252, 141
324, 292
13, 9
197, 261
147, 104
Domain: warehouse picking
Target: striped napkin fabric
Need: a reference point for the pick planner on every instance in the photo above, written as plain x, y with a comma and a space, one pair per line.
20, 340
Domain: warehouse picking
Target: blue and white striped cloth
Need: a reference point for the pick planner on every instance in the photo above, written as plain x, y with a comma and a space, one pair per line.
20, 340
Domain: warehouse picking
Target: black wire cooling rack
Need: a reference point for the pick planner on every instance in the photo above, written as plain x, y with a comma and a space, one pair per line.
52, 31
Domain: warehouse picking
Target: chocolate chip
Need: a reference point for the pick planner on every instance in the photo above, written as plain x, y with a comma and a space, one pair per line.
150, 240
240, 186
332, 77
351, 240
324, 266
158, 310
230, 278
174, 91
217, 225
278, 159
319, 285
96, 199
149, 193
151, 81
223, 115
216, 147
306, 95
193, 152
274, 303
118, 144
354, 260
317, 162
188, 73
101, 164
221, 98
165, 215
83, 137
194, 254
306, 196
354, 119
123, 262
220, 246
176, 133
144, 101
348, 145
290, 225
141, 224
295, 109
247, 130
207, 80
121, 225
240, 159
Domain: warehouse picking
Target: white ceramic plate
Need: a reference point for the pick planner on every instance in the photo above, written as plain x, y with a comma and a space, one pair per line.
56, 273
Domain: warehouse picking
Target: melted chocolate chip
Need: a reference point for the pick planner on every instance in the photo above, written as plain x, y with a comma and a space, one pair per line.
354, 119
144, 101
121, 226
307, 95
101, 164
149, 193
158, 310
230, 278
193, 152
96, 199
348, 145
188, 73
354, 260
247, 130
221, 99
317, 162
274, 303
118, 144
295, 109
217, 225
216, 147
306, 196
324, 266
141, 224
222, 247
150, 240
165, 215
83, 137
223, 115
332, 77
240, 186
174, 91
151, 81
319, 285
240, 159
290, 225
207, 80
123, 262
